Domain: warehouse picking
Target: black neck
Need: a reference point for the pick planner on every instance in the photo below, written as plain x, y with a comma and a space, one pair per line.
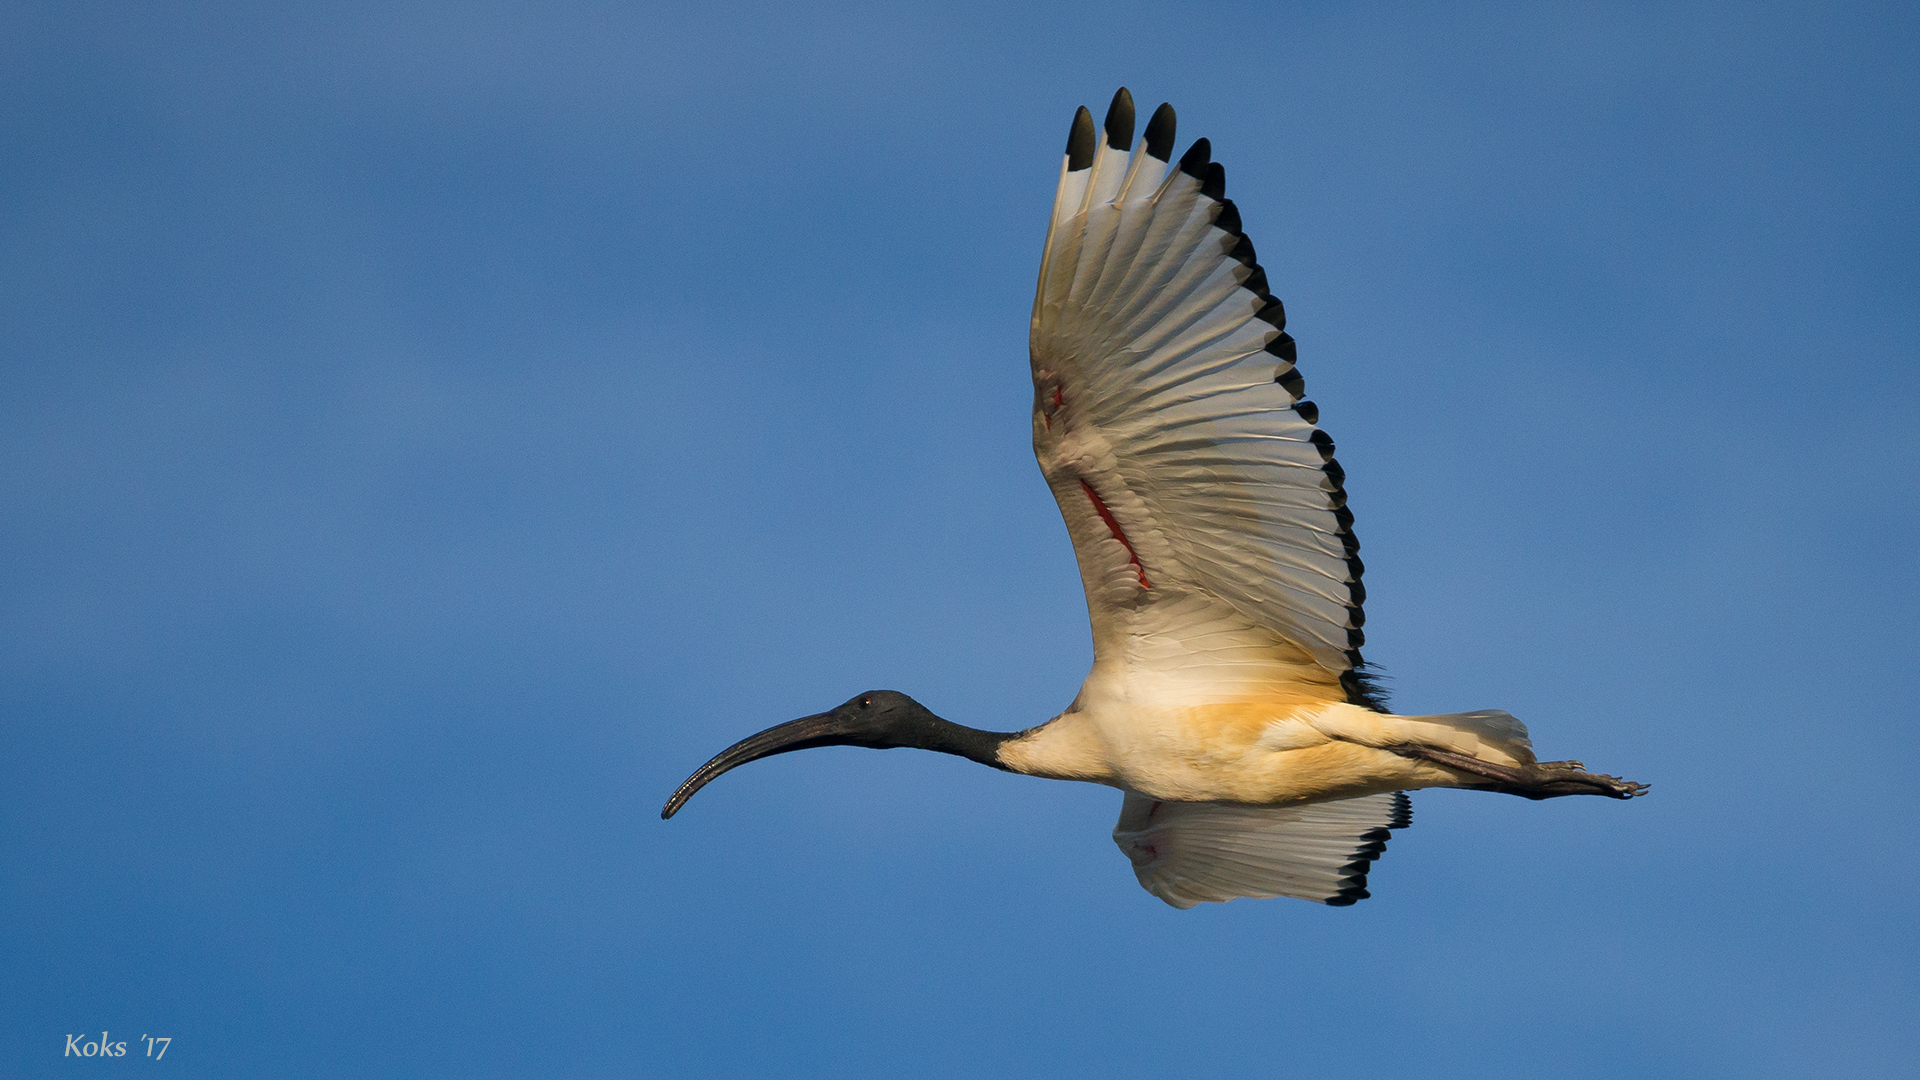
947, 737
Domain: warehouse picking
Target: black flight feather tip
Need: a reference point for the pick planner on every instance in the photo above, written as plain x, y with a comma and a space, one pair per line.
1120, 120
1160, 133
1227, 219
1214, 184
1080, 141
1273, 313
1194, 161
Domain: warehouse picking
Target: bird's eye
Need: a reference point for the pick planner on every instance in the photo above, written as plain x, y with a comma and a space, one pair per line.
865, 701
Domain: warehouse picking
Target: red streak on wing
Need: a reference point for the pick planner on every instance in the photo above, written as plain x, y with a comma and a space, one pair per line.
1059, 401
1106, 515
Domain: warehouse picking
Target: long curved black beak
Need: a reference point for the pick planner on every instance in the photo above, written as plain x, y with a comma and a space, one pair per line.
821, 729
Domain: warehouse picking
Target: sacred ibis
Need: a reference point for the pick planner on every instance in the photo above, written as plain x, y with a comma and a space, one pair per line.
1228, 699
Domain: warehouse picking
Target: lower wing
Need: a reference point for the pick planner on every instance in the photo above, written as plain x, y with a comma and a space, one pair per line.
1194, 853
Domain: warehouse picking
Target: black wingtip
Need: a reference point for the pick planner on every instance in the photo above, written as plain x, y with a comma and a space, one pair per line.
1194, 161
1080, 141
1273, 313
1120, 120
1160, 133
1291, 381
1402, 811
1214, 184
1227, 220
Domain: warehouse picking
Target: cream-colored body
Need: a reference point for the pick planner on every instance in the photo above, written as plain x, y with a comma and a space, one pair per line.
1273, 749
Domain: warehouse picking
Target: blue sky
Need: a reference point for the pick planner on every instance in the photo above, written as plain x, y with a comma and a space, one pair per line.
427, 432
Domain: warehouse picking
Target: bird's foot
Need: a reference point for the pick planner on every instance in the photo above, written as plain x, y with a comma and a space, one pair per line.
1554, 778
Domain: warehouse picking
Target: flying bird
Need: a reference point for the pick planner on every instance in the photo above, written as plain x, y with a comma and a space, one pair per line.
1228, 698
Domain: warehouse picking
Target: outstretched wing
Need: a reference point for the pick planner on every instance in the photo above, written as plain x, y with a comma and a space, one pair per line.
1195, 853
1201, 497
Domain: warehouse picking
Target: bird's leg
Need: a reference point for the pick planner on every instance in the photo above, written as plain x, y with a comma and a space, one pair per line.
1540, 780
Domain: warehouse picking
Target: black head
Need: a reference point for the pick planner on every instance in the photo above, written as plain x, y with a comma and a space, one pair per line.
879, 719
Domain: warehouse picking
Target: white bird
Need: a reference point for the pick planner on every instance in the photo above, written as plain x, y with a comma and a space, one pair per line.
1228, 698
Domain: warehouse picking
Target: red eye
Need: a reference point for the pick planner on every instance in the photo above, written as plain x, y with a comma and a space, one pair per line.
865, 701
